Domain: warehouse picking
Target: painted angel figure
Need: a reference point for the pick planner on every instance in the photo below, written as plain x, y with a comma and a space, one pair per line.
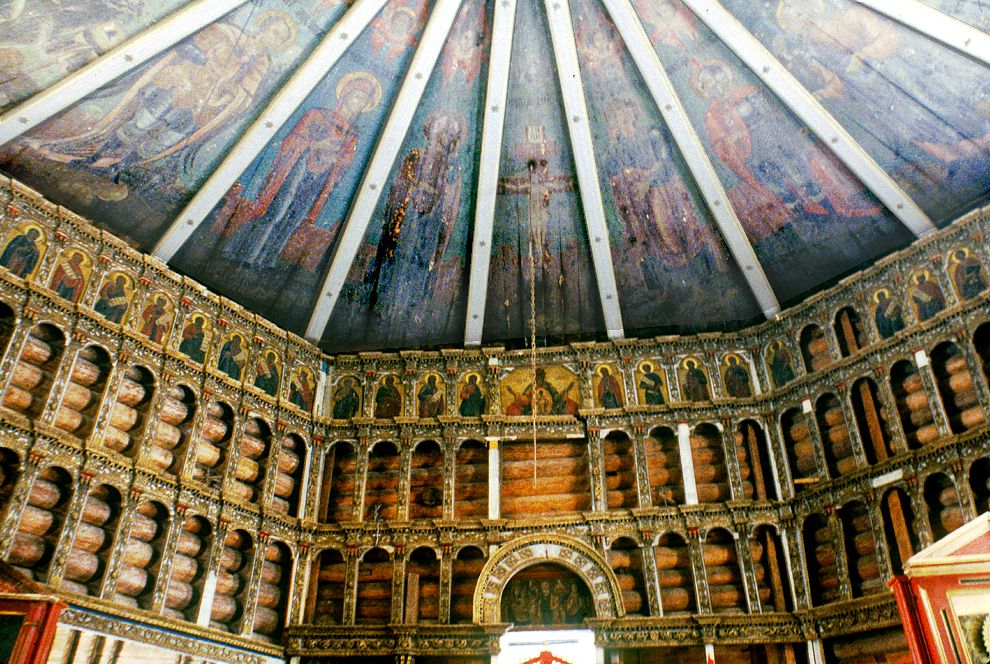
166, 109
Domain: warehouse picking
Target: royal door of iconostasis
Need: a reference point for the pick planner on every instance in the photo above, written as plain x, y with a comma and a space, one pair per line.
547, 605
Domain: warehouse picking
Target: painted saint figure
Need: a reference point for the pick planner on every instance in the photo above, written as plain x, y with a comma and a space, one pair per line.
927, 296
266, 373
193, 339
167, 109
156, 319
967, 274
737, 379
114, 299
472, 399
609, 390
22, 253
232, 358
301, 390
781, 368
421, 209
69, 277
388, 399
652, 385
430, 398
888, 315
346, 400
310, 162
695, 382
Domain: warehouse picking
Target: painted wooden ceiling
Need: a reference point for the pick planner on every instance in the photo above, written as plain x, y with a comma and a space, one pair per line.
380, 174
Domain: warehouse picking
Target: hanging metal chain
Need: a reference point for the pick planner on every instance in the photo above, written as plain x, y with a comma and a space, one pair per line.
532, 345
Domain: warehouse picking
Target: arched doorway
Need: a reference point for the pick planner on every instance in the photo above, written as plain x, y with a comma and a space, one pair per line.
546, 595
559, 554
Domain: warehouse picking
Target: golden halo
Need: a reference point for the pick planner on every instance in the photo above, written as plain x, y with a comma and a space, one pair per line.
356, 78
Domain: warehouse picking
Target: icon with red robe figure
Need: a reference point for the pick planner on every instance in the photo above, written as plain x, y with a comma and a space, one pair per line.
71, 274
311, 161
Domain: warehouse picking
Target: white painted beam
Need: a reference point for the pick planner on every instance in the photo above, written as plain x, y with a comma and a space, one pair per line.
376, 174
693, 151
285, 102
811, 113
579, 127
939, 26
112, 65
503, 23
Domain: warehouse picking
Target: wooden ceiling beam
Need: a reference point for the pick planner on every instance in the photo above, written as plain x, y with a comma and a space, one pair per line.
285, 102
804, 105
583, 150
937, 25
112, 65
376, 174
689, 143
503, 30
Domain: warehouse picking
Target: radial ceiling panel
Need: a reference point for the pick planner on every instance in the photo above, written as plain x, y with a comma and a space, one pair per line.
41, 41
132, 154
735, 168
798, 204
672, 266
886, 84
405, 285
267, 244
538, 204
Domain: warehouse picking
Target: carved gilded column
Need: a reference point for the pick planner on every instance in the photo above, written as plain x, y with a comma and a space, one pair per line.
731, 453
360, 479
650, 577
446, 583
300, 587
841, 559
399, 561
855, 438
233, 450
919, 507
957, 473
817, 442
405, 468
697, 553
212, 569
449, 476
151, 426
14, 348
350, 586
67, 536
122, 534
640, 462
797, 563
975, 367
778, 454
742, 535
271, 467
874, 506
888, 410
599, 500
315, 467
118, 368
924, 365
188, 463
29, 471
60, 380
254, 584
167, 559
